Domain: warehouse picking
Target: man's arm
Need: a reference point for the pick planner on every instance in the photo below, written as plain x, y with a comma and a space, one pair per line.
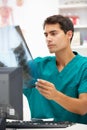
48, 90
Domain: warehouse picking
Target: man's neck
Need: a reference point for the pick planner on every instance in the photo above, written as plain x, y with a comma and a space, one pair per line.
64, 59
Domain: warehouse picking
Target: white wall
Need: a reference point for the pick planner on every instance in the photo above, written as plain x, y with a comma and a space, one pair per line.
30, 17
42, 9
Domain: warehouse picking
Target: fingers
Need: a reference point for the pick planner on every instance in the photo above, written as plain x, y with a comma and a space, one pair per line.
46, 88
43, 83
40, 86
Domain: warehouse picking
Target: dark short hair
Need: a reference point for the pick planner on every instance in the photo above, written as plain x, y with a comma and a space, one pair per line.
64, 22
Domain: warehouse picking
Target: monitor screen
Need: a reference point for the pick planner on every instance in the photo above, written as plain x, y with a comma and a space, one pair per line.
11, 97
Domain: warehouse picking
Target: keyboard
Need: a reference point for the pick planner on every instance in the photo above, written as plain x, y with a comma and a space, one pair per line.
38, 124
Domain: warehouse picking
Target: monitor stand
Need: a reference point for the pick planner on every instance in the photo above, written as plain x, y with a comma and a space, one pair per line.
2, 120
2, 123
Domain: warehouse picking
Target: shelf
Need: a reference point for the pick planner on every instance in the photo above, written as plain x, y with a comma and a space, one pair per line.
80, 26
82, 49
79, 47
71, 6
76, 9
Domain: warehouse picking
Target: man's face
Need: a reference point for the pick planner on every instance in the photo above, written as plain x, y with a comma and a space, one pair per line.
56, 39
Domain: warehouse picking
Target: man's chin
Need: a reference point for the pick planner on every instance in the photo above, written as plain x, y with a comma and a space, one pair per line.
51, 52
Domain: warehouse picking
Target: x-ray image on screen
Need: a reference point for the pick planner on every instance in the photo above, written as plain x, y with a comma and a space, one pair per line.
9, 40
14, 51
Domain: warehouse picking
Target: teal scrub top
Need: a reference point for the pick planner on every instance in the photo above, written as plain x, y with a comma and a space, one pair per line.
71, 81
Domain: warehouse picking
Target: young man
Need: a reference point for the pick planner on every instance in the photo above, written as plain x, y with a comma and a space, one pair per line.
61, 87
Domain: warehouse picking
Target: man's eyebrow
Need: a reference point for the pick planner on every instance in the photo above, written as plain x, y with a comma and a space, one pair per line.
51, 31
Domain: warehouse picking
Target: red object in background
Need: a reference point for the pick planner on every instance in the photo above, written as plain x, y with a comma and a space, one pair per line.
6, 15
5, 12
74, 19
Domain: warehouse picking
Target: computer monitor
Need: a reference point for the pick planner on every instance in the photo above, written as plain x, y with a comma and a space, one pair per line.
11, 97
14, 51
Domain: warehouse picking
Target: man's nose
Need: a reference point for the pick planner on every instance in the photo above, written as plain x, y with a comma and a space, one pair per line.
48, 38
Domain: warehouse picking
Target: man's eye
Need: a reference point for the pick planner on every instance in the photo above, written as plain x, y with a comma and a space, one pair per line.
53, 33
45, 35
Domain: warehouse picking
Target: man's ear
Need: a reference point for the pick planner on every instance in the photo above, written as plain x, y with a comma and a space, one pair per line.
69, 34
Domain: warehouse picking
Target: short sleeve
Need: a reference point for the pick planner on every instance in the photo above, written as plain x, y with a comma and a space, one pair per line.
83, 84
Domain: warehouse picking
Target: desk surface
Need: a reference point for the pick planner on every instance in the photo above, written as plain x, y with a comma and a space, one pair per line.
74, 127
77, 127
